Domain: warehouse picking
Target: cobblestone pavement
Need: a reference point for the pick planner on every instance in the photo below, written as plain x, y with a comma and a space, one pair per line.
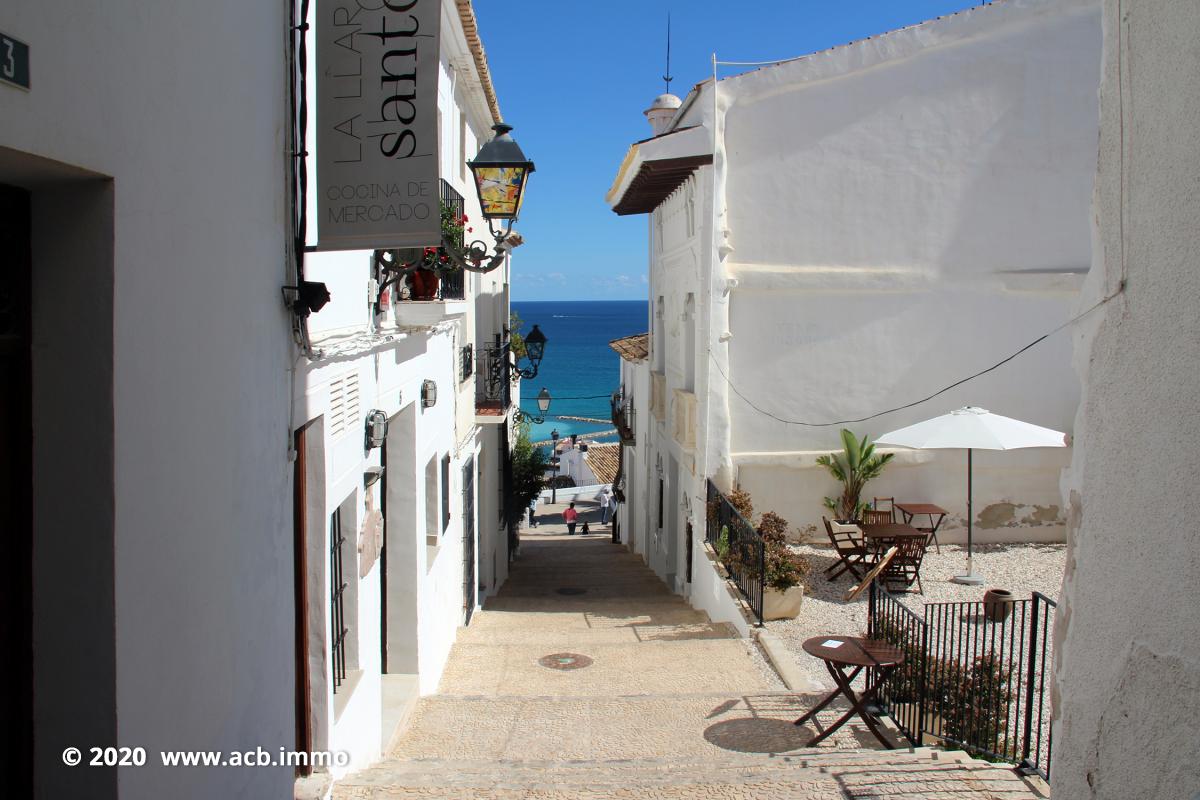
670, 706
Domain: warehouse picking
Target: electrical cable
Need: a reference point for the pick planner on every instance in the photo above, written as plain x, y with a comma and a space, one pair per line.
941, 391
582, 397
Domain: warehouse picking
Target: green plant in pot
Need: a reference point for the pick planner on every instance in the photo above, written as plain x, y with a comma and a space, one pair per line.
853, 467
784, 569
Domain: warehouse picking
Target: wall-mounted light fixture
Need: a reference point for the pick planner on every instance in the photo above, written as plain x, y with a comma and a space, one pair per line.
307, 297
377, 428
501, 171
535, 348
428, 394
371, 476
543, 401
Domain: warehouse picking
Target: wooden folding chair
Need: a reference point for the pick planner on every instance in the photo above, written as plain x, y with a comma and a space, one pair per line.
905, 569
873, 517
891, 506
851, 552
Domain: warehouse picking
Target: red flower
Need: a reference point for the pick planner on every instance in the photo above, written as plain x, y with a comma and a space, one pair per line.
470, 229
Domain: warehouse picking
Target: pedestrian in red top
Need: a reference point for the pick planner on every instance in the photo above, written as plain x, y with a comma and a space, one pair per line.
570, 516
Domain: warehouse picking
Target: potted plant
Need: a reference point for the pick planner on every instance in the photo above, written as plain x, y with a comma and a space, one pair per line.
854, 466
431, 262
783, 592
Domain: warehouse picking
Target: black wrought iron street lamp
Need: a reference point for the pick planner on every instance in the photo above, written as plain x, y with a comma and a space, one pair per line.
501, 171
535, 348
543, 401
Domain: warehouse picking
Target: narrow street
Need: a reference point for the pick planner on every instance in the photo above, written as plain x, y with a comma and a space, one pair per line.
584, 677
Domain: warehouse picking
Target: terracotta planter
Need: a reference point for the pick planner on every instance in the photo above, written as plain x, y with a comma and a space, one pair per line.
423, 284
782, 605
997, 604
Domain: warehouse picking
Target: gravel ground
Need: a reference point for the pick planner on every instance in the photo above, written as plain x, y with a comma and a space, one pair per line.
1020, 568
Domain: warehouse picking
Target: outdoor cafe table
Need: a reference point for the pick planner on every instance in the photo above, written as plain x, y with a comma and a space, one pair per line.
878, 537
910, 510
841, 652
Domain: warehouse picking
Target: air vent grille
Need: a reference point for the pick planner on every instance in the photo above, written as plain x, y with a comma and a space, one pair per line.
343, 405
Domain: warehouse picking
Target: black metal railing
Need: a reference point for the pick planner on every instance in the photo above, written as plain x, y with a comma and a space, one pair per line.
739, 546
974, 677
493, 383
337, 593
623, 416
453, 285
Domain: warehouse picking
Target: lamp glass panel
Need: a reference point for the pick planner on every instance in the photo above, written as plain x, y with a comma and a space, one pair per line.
534, 351
543, 401
501, 190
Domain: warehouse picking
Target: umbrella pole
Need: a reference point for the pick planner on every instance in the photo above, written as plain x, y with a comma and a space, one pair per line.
970, 578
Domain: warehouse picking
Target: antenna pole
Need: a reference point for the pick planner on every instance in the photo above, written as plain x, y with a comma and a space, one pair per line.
667, 77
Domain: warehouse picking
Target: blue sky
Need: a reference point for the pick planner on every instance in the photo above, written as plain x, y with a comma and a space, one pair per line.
573, 78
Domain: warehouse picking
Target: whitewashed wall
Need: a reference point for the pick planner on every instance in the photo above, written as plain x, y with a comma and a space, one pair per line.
1127, 636
196, 237
904, 212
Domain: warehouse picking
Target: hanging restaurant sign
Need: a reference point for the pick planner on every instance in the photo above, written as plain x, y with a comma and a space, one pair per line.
377, 124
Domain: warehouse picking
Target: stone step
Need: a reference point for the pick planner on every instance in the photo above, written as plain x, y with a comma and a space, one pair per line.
918, 773
554, 622
595, 603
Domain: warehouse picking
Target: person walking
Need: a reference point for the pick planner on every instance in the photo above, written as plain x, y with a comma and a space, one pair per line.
570, 516
532, 518
604, 507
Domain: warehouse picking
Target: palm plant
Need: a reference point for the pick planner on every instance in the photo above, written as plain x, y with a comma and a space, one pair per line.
854, 466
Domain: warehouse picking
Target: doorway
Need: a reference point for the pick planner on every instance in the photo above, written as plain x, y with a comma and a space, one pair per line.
16, 467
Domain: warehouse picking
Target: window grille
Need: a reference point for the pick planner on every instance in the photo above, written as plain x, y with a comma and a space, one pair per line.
337, 611
468, 361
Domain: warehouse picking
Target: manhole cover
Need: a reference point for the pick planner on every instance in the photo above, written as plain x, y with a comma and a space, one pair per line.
565, 661
570, 590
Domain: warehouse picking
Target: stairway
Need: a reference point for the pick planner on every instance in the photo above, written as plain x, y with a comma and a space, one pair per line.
585, 678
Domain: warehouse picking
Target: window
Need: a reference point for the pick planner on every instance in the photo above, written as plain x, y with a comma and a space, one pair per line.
468, 361
445, 491
661, 507
431, 502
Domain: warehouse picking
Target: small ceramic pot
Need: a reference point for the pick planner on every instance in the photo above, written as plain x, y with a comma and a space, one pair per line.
997, 604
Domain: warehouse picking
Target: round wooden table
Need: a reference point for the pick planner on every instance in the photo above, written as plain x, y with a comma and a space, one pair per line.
840, 653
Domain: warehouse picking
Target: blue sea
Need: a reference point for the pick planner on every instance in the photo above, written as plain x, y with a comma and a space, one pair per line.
579, 368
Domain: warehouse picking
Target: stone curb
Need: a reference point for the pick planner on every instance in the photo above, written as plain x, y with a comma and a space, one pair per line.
792, 676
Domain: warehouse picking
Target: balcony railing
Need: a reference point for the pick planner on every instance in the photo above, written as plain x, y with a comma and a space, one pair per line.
426, 284
623, 416
493, 379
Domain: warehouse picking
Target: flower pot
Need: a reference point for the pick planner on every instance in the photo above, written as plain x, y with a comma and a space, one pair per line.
782, 605
423, 284
997, 604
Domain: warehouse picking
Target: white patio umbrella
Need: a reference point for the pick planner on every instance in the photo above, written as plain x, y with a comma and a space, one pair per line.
974, 429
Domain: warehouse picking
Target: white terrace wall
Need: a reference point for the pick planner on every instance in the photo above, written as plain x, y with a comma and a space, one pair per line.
904, 212
1127, 634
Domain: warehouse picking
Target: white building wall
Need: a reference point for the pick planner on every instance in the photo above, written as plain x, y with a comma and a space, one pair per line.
192, 237
1127, 636
390, 356
902, 213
